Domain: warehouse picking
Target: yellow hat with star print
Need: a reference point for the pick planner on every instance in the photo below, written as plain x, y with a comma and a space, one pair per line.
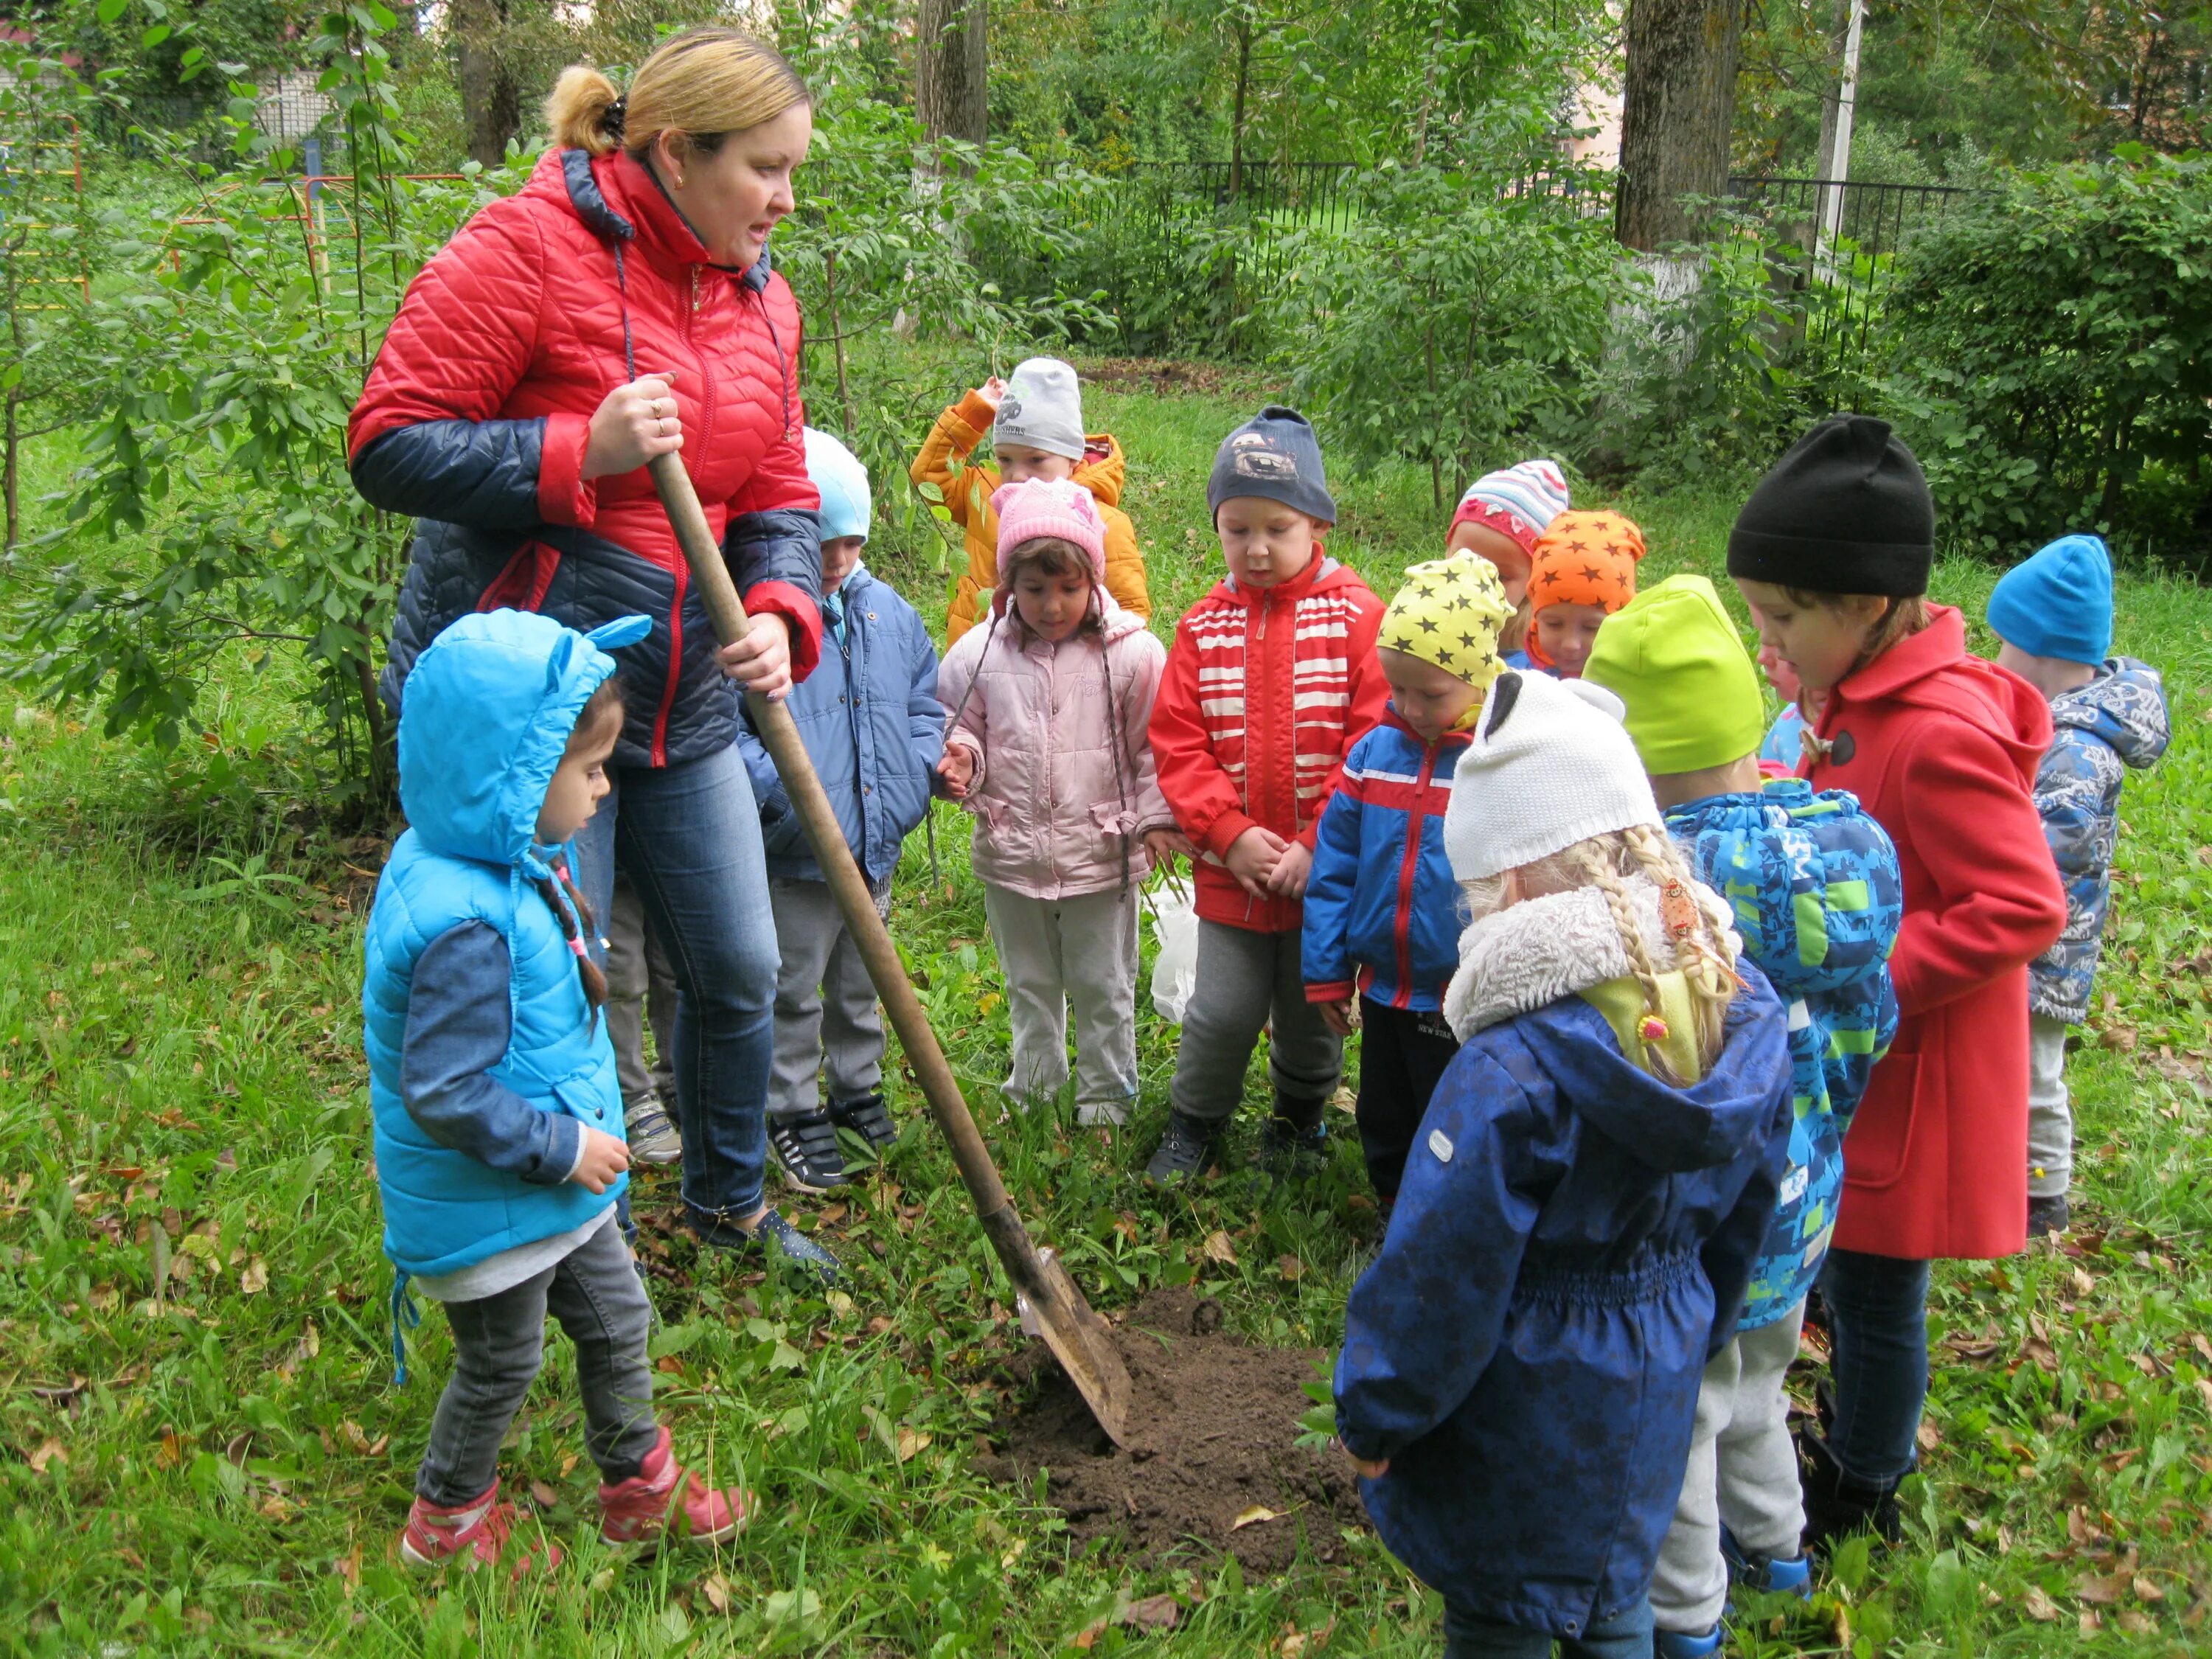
1449, 613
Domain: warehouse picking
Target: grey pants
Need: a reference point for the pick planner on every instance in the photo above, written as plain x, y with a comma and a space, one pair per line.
2049, 1115
827, 1020
1248, 982
1070, 953
1742, 1474
499, 1346
640, 986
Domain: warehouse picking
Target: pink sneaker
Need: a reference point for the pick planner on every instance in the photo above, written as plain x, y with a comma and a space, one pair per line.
662, 1500
476, 1531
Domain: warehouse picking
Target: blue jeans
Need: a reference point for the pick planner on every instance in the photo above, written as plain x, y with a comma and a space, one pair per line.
1627, 1635
688, 837
1878, 1311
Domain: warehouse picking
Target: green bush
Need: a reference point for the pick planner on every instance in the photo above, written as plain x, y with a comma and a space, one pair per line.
2049, 356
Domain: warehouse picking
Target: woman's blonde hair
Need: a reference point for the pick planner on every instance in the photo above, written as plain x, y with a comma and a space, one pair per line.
1601, 861
698, 86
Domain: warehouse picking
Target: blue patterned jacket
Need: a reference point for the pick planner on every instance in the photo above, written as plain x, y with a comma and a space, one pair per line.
1814, 885
2118, 720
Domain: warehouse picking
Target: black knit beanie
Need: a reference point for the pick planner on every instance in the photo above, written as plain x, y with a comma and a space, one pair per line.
1846, 510
1276, 457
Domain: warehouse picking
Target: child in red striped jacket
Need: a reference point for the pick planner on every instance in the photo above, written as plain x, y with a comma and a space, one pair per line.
1270, 679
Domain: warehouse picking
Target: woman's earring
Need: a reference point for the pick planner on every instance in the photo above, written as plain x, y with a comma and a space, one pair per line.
679, 181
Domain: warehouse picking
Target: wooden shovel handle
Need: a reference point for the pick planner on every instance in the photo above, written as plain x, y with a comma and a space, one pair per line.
778, 735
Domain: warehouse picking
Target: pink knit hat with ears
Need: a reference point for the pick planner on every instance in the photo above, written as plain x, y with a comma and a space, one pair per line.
1051, 507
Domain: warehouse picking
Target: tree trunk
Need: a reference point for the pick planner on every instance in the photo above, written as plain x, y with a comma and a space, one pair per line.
952, 66
491, 101
1677, 106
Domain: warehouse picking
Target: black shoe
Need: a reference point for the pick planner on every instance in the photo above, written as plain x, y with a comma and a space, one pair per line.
806, 1146
1296, 1141
869, 1118
1837, 1505
770, 1234
2048, 1215
1185, 1151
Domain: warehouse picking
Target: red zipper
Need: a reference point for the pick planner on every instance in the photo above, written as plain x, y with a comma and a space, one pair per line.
1408, 866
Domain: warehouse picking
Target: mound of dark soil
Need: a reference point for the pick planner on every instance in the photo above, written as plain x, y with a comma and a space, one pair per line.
1212, 1421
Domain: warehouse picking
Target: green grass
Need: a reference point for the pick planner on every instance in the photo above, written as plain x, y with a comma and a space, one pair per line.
204, 1452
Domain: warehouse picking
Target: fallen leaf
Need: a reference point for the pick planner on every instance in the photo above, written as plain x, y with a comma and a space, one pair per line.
255, 1278
1217, 1248
909, 1442
47, 1452
2088, 1623
543, 1495
2138, 1624
1927, 1437
716, 1590
2145, 1590
2103, 1592
1153, 1613
350, 1433
2040, 1608
1291, 1268
1253, 1516
2083, 1285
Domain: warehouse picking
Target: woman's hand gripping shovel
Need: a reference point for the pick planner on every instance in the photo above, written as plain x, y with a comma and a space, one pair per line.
1079, 1338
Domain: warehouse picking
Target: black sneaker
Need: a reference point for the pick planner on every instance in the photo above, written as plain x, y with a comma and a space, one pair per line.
868, 1118
2048, 1215
1290, 1149
1185, 1151
771, 1234
806, 1146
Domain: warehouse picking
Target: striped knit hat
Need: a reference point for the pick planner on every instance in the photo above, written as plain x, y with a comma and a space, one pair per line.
1519, 502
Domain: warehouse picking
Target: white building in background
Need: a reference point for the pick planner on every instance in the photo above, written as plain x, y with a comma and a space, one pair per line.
1596, 104
291, 107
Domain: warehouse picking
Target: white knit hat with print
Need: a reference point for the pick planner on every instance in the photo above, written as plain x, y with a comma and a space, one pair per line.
1551, 764
1041, 409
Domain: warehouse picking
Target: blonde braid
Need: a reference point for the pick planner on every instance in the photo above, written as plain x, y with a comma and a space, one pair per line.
1702, 957
1600, 859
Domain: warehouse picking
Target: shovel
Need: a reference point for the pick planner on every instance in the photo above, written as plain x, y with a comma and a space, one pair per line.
1050, 1302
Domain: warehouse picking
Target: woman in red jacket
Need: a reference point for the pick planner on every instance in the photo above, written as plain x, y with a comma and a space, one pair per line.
622, 306
1832, 554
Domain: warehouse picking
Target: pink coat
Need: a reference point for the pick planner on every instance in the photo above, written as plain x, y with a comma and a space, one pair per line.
1064, 785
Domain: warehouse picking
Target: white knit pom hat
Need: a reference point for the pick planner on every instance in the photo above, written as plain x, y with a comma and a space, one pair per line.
1551, 764
1041, 409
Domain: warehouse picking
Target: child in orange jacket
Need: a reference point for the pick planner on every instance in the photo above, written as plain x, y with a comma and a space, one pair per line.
1035, 422
1271, 679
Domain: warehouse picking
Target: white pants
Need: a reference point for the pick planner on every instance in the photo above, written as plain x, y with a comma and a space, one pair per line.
1079, 952
1743, 1472
2050, 1117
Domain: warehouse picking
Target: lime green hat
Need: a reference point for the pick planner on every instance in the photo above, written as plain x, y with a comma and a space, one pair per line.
1675, 658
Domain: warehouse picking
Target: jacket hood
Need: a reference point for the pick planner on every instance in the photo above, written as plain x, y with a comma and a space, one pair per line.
623, 204
2124, 706
1721, 1117
1323, 575
488, 713
1932, 670
1103, 472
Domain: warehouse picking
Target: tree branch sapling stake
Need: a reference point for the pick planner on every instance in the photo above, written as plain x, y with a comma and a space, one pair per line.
1079, 1338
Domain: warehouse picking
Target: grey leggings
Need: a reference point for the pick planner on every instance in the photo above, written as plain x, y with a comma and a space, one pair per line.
1246, 981
499, 1345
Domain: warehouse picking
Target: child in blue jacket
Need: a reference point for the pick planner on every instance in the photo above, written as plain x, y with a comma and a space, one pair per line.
498, 1118
1814, 885
1382, 913
1581, 1213
2052, 615
874, 729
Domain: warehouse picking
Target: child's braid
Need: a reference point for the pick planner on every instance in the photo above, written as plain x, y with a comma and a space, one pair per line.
595, 981
1600, 863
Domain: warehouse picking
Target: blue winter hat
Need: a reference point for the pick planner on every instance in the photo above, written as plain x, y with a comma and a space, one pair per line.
1276, 457
2058, 603
842, 482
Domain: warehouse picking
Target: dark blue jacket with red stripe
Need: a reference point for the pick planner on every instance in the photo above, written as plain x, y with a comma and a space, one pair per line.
1381, 911
477, 417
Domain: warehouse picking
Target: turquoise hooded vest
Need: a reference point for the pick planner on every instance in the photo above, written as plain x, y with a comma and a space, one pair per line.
488, 713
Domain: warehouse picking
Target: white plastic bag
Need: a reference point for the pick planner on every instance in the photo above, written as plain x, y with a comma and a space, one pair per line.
1174, 971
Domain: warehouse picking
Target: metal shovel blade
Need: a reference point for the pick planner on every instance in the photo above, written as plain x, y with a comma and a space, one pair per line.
1081, 1342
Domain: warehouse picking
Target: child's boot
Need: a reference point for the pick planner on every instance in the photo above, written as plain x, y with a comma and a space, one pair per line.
665, 1500
2048, 1214
1767, 1575
1686, 1644
474, 1533
1186, 1150
1296, 1141
1837, 1505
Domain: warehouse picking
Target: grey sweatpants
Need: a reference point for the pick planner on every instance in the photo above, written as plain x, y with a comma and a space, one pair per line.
1060, 953
1249, 981
828, 1024
499, 1346
1742, 1474
2049, 1114
640, 986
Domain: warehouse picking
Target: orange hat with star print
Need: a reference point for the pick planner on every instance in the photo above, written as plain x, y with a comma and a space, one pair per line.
1585, 558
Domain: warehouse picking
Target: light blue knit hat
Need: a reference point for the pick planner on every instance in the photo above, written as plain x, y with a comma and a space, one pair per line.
843, 484
2058, 603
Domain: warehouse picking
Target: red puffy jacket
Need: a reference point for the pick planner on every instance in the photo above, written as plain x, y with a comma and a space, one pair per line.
475, 417
1942, 748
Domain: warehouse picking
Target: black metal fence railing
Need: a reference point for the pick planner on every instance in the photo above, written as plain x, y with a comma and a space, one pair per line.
1879, 218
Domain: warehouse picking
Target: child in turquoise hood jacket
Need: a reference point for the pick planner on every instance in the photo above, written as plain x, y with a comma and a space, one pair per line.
498, 1119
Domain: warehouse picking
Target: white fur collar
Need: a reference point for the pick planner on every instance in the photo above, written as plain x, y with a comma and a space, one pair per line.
1531, 954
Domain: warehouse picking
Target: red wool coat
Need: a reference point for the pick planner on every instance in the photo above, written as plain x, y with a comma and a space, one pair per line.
1942, 748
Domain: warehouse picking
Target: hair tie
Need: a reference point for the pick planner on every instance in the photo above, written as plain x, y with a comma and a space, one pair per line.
611, 122
1653, 1031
